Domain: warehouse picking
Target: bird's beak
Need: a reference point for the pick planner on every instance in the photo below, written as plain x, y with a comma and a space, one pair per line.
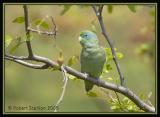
80, 38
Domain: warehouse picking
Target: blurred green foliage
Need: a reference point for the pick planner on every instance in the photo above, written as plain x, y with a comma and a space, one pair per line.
8, 40
42, 23
18, 20
66, 8
26, 86
110, 8
132, 7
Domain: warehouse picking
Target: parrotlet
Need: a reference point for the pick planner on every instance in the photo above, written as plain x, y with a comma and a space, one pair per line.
92, 58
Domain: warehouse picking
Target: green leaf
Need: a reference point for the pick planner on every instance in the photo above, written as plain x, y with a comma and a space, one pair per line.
119, 55
65, 9
152, 13
142, 97
111, 101
72, 77
18, 20
71, 61
115, 108
108, 54
109, 58
14, 48
110, 8
125, 100
91, 94
8, 40
144, 47
115, 49
42, 23
108, 67
18, 42
109, 78
104, 71
108, 50
130, 107
132, 8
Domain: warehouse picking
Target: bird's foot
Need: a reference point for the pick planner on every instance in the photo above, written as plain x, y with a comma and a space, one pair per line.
86, 75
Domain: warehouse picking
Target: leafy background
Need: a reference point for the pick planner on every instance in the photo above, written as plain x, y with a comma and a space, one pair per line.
131, 28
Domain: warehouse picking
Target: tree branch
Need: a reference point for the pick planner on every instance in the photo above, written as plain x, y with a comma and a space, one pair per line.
44, 60
27, 64
27, 31
49, 63
100, 19
65, 79
17, 57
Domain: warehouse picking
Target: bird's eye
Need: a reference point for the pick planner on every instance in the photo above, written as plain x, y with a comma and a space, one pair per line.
85, 35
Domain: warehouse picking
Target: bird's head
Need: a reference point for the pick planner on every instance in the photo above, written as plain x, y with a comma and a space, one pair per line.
88, 38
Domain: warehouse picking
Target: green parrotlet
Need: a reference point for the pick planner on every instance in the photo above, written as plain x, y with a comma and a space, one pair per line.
92, 56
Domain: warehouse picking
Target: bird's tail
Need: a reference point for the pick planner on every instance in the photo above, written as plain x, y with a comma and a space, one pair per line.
88, 85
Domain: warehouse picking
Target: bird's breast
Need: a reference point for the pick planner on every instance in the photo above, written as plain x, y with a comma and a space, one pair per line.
92, 61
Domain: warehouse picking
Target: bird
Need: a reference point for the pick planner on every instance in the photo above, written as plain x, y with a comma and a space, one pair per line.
92, 57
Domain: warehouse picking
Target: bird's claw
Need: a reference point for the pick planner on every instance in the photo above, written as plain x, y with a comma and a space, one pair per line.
86, 75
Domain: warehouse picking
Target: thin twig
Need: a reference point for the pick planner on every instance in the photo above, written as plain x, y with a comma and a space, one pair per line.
55, 27
49, 33
17, 57
123, 90
27, 31
65, 79
41, 32
100, 10
100, 19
